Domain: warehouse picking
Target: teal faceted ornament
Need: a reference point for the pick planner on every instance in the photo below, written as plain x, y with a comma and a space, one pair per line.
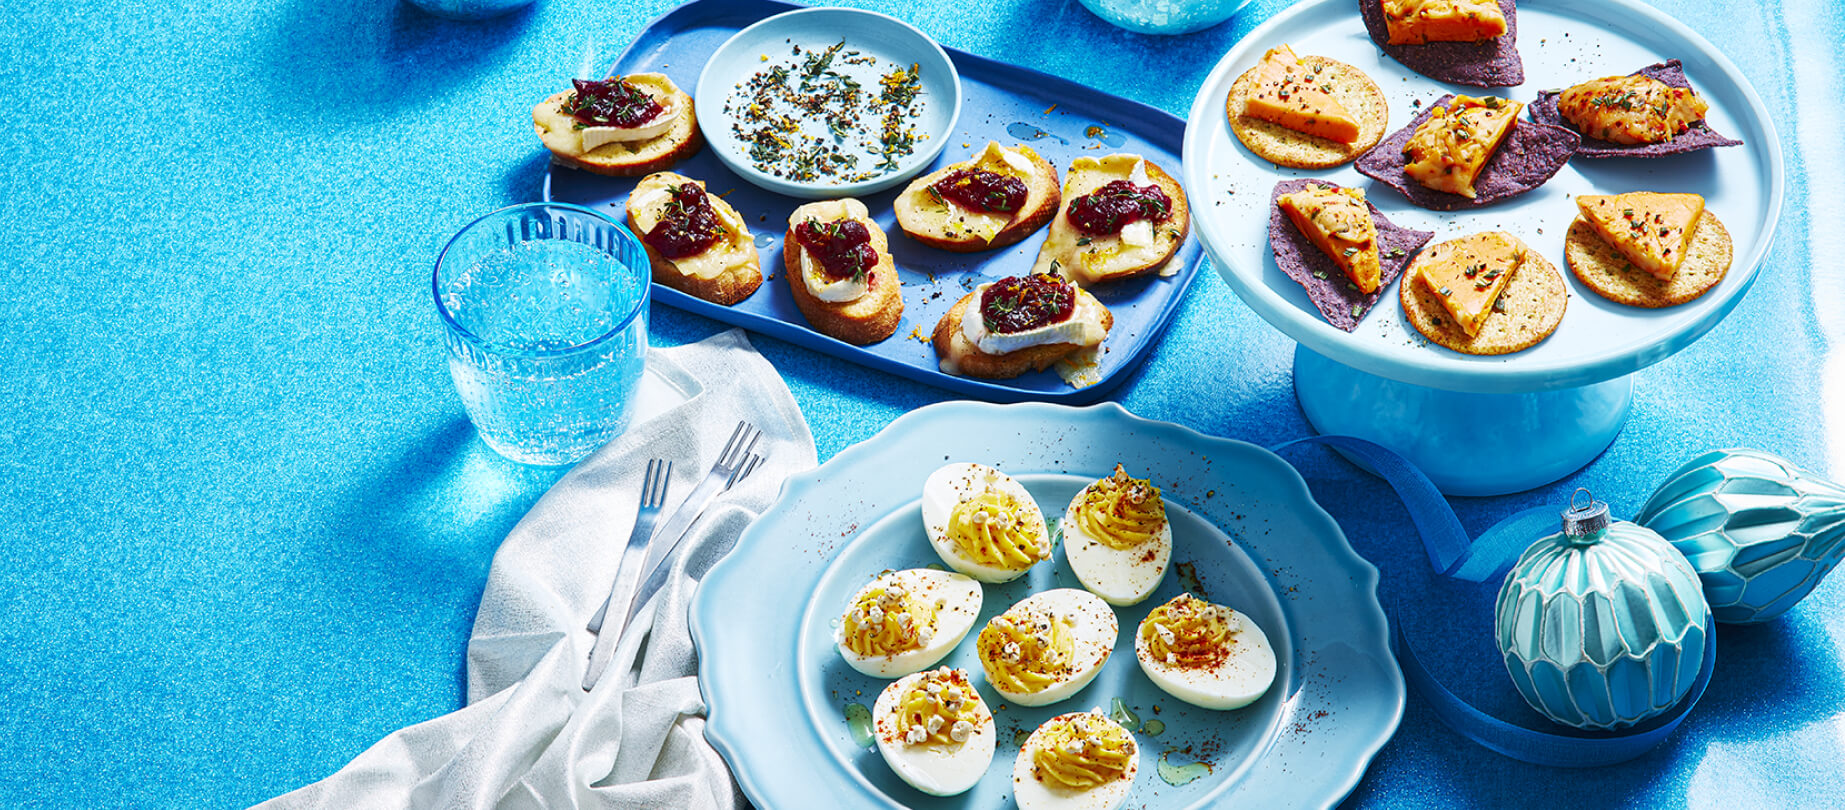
1760, 531
1602, 625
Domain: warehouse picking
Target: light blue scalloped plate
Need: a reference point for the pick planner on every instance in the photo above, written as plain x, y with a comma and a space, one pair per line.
1245, 528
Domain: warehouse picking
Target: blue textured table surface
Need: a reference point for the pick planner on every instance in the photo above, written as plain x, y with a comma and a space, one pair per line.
246, 522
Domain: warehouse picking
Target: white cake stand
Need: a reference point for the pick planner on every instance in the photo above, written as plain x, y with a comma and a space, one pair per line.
1489, 425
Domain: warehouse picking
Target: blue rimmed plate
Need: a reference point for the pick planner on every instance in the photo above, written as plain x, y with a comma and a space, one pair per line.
1247, 533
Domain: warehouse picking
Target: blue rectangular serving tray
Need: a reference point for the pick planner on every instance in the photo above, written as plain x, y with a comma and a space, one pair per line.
995, 97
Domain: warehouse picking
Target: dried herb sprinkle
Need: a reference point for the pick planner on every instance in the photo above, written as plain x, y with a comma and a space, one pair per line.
806, 118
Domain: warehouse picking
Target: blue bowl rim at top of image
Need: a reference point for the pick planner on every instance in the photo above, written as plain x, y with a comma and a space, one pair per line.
448, 318
722, 71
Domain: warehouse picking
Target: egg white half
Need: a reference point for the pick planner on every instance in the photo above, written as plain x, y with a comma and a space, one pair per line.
946, 488
1033, 794
957, 601
935, 769
1243, 676
1093, 631
1121, 577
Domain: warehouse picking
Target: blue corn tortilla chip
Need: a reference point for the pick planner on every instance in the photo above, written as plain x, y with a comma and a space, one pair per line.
1494, 63
1529, 156
1337, 298
1698, 136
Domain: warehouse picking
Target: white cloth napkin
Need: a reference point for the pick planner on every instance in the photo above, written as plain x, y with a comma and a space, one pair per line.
530, 736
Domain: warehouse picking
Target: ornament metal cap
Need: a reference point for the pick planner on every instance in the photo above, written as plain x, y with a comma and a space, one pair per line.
1585, 523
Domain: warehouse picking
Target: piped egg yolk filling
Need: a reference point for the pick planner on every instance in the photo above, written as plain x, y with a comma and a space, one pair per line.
1122, 512
992, 528
1025, 652
1188, 632
888, 619
939, 709
1083, 752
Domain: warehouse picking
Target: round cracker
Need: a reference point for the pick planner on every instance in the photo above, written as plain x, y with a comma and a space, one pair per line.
1533, 299
1285, 147
1601, 267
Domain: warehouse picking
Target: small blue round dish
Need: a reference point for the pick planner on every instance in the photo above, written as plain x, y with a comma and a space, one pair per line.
1246, 533
750, 97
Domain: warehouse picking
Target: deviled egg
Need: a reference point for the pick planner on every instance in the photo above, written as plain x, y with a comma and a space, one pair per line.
905, 621
1081, 761
1047, 646
934, 731
983, 523
1204, 654
1117, 538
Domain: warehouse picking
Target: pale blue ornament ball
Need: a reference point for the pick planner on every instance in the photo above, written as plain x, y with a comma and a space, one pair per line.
1603, 625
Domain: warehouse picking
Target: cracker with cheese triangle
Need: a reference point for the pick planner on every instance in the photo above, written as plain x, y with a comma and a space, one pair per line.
1306, 112
1486, 293
1647, 249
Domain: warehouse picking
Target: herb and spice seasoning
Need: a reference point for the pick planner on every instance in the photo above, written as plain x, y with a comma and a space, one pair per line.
853, 133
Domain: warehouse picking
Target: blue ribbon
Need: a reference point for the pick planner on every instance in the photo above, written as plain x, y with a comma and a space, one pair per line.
1480, 560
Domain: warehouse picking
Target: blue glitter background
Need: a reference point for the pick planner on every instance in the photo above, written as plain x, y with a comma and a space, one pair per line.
246, 522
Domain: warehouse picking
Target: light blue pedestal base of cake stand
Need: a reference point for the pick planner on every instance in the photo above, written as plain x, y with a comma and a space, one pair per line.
1467, 443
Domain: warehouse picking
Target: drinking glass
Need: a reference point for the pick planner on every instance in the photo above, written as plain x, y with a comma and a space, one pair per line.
544, 312
1165, 16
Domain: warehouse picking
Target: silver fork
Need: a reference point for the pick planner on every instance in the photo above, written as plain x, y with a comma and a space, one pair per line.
733, 464
653, 496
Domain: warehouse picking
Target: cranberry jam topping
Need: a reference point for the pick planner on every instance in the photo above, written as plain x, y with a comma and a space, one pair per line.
843, 248
1020, 303
687, 226
610, 103
981, 190
1115, 206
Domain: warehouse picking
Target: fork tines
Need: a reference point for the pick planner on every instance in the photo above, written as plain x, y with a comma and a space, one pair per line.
743, 470
742, 441
653, 487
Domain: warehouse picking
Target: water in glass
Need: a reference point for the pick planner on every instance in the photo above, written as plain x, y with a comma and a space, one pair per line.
551, 366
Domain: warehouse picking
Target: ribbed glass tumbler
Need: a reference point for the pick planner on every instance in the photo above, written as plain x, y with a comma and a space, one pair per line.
544, 313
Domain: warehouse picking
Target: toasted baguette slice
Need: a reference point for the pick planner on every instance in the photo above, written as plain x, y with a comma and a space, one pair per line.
939, 223
559, 133
875, 313
961, 356
725, 273
1137, 250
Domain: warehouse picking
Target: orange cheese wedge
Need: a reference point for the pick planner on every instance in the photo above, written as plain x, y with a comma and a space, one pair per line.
1339, 223
1468, 274
1631, 109
1417, 22
1447, 152
1651, 230
1295, 96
